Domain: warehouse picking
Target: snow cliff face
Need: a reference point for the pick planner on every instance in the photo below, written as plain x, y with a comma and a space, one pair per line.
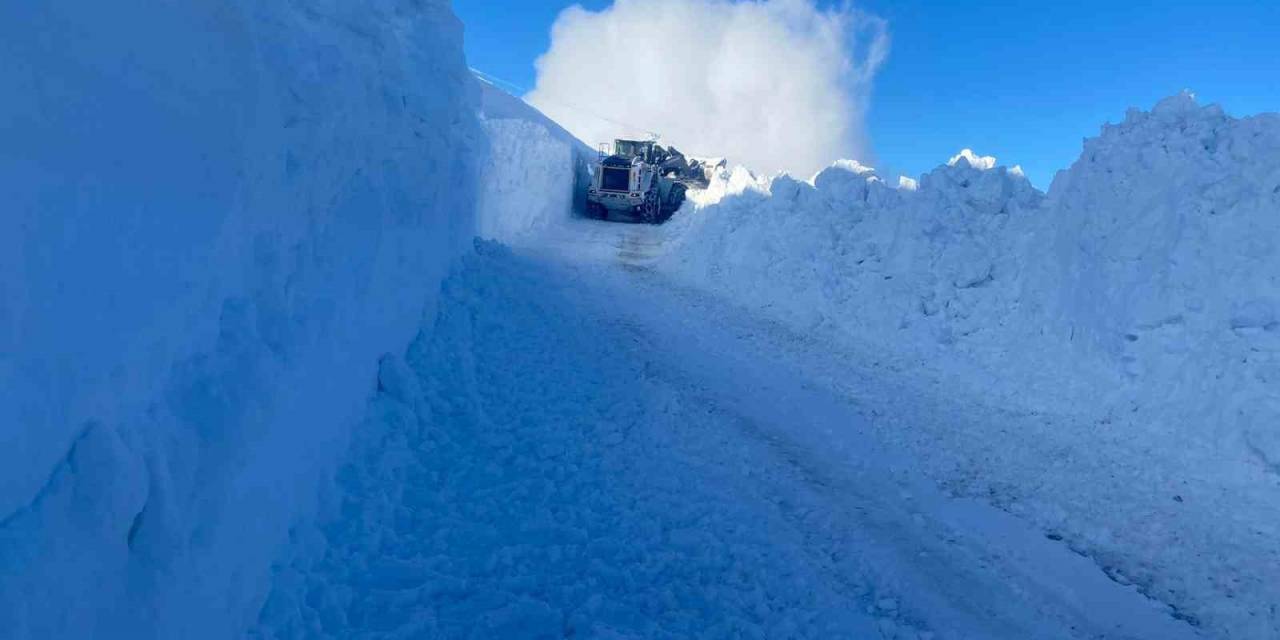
1148, 271
216, 218
1162, 256
537, 173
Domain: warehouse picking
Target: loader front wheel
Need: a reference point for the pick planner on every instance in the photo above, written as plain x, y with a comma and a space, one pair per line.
652, 208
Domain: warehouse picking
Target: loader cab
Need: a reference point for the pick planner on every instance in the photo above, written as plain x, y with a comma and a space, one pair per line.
642, 149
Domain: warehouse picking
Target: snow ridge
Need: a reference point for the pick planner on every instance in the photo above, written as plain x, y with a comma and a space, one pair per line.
849, 235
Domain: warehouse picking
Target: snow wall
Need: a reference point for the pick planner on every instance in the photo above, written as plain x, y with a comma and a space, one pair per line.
1162, 254
216, 218
537, 174
1148, 276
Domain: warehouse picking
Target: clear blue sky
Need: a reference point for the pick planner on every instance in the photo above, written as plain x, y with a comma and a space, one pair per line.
1023, 81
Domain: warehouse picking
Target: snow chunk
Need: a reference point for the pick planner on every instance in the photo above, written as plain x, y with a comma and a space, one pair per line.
846, 180
1182, 103
726, 182
853, 166
967, 158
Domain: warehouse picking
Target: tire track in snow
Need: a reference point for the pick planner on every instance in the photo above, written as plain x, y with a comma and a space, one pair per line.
577, 454
967, 585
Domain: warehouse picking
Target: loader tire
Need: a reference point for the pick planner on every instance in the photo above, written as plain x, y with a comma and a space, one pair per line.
651, 210
674, 199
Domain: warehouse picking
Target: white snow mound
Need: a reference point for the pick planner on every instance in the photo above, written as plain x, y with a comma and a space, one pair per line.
1162, 256
971, 159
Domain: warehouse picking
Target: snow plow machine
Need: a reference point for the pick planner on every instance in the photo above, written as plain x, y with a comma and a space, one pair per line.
641, 181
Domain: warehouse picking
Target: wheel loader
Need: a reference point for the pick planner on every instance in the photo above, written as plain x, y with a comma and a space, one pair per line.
641, 180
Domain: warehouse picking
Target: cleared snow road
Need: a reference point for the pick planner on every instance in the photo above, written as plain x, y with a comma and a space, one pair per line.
578, 449
969, 569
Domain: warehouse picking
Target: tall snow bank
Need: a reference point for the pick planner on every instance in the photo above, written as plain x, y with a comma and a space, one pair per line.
537, 173
1164, 259
1151, 263
216, 216
848, 251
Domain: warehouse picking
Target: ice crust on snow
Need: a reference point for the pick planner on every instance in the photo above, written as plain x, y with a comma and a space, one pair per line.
216, 218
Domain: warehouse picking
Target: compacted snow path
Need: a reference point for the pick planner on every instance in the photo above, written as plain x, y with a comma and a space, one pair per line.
578, 449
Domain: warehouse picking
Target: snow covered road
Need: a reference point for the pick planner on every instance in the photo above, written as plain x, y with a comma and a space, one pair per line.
580, 449
258, 377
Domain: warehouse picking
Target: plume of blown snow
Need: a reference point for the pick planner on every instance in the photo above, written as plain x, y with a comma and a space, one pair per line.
776, 85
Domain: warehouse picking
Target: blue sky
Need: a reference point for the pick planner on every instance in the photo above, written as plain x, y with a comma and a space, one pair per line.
1023, 81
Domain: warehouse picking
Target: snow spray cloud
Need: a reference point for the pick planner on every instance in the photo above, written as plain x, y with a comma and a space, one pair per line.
770, 84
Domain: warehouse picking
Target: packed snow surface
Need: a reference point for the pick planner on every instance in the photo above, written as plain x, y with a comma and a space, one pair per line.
575, 449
